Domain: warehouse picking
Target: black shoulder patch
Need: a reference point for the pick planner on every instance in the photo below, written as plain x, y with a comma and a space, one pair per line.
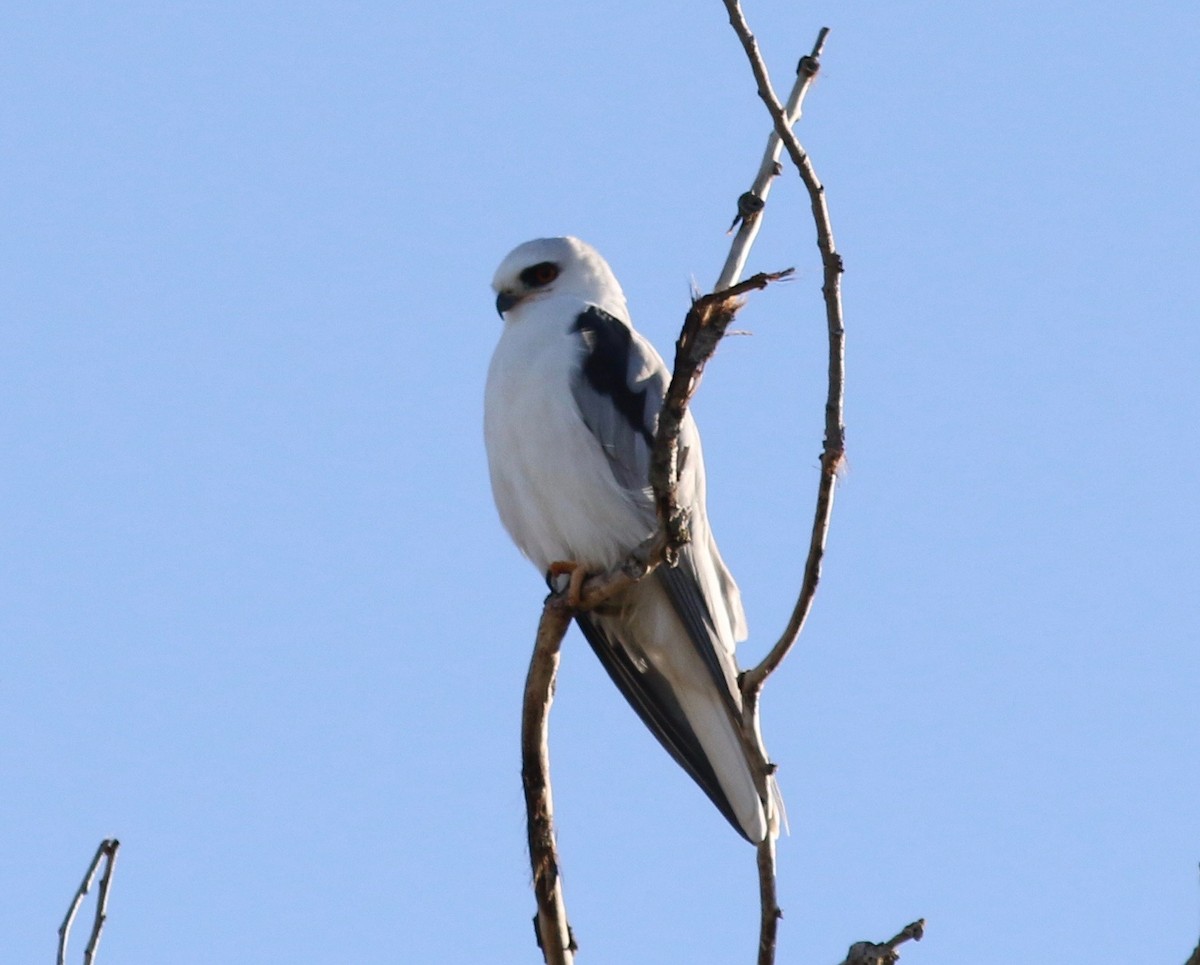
609, 343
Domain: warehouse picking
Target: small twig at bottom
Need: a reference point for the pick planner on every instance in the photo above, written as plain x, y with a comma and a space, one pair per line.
868, 953
107, 852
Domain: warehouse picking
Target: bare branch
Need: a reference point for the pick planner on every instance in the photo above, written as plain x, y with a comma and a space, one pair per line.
551, 926
751, 204
108, 853
703, 328
89, 953
768, 925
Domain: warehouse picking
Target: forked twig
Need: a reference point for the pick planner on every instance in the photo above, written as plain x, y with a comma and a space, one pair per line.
752, 202
834, 450
108, 853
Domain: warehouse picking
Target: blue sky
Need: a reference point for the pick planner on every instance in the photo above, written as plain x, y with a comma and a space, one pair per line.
260, 622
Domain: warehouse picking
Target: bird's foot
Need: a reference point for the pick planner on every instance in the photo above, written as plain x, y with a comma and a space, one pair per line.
578, 574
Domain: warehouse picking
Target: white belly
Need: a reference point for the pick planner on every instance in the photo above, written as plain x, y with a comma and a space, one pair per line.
555, 492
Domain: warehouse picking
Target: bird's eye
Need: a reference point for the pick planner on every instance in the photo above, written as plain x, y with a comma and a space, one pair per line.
540, 275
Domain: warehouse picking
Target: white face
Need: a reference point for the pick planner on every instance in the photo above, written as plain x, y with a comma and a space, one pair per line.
556, 266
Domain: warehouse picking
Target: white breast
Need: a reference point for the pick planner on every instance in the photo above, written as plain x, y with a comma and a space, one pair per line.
553, 487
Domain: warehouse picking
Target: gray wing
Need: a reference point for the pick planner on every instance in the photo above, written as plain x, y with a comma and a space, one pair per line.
619, 392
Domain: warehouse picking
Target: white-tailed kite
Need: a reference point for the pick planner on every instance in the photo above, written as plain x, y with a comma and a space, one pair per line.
571, 407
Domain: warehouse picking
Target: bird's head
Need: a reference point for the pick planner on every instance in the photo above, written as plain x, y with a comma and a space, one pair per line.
548, 267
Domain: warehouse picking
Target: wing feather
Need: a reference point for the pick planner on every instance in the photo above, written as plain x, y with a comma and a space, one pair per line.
652, 696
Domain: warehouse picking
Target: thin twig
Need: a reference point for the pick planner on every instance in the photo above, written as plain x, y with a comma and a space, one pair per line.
751, 204
834, 449
703, 328
552, 928
768, 900
107, 852
89, 953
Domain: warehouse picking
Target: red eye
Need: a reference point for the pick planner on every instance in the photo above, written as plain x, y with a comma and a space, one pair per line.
540, 275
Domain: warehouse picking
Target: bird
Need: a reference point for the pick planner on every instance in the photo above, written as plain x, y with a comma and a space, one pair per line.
571, 408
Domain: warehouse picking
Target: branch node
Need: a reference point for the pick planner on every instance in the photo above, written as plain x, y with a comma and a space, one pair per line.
749, 205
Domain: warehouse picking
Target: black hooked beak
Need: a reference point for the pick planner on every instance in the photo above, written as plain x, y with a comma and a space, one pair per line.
506, 300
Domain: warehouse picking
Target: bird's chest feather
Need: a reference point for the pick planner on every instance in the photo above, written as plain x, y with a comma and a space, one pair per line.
552, 482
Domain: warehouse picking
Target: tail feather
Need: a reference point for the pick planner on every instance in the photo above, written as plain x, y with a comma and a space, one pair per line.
684, 699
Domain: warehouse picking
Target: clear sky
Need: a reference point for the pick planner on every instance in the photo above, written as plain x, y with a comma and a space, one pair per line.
259, 620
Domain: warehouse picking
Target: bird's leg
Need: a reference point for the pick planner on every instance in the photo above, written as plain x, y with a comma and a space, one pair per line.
578, 575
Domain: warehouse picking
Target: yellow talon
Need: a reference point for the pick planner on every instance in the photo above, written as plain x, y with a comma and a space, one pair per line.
578, 575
